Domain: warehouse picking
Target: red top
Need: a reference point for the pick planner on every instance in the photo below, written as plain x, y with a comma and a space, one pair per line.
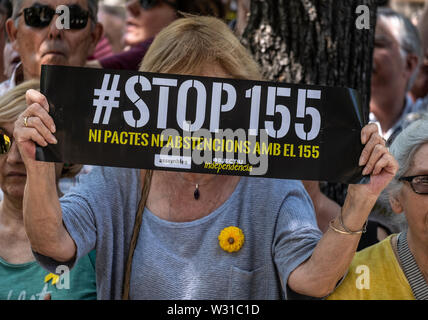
127, 60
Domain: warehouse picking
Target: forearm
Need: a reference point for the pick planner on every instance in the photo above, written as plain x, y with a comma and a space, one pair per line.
42, 214
333, 254
325, 208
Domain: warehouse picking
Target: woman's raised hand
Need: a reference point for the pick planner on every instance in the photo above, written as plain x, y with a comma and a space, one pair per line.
377, 162
34, 125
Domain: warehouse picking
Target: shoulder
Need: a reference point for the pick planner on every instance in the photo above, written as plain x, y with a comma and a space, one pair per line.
278, 198
102, 182
273, 191
109, 176
277, 188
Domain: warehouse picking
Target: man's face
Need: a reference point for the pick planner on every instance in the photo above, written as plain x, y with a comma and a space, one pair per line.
51, 45
389, 67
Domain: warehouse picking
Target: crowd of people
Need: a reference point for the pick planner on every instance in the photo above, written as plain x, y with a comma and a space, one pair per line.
69, 231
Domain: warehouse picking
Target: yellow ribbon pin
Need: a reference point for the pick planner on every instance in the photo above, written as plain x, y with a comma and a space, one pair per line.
54, 277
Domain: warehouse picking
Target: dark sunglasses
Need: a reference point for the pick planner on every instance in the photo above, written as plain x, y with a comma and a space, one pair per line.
40, 16
5, 143
419, 184
148, 4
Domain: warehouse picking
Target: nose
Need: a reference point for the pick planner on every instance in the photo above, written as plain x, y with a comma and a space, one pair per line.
13, 156
54, 31
133, 7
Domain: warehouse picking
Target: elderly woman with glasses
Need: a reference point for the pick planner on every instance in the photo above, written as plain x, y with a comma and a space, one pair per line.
397, 267
21, 277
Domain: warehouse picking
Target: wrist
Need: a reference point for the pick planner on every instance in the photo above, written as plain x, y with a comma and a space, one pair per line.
356, 210
359, 197
40, 170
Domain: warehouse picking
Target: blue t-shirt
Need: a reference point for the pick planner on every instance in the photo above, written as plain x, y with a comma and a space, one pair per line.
183, 260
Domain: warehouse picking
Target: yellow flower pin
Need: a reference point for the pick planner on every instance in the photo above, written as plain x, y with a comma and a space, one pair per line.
52, 276
231, 239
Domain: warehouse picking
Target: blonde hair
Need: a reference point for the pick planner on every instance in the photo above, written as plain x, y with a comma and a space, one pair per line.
13, 103
190, 43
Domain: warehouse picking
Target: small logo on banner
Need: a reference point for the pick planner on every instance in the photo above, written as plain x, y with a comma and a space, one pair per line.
168, 161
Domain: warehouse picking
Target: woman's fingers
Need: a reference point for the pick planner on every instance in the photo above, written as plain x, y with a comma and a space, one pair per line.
37, 124
377, 152
375, 157
26, 134
34, 125
387, 163
372, 138
367, 132
38, 111
36, 115
34, 96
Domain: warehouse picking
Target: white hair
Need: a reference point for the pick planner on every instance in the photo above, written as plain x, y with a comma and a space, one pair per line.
403, 149
406, 34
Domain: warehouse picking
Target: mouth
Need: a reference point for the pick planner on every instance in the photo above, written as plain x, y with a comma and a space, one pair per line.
131, 24
56, 53
16, 174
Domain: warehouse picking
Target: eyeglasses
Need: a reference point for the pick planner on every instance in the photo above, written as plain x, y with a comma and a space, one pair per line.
419, 184
40, 16
5, 143
148, 4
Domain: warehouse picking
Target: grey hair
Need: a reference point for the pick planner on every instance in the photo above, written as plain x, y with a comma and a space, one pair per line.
407, 36
92, 7
403, 149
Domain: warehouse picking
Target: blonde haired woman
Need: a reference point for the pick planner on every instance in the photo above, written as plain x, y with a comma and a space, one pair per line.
242, 238
21, 277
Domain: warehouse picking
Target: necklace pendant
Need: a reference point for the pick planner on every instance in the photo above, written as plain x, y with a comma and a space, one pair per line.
196, 193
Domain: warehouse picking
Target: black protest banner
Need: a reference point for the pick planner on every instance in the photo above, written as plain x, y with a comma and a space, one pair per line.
203, 124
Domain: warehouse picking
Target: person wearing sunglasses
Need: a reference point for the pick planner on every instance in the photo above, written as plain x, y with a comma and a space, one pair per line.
397, 267
145, 19
21, 277
34, 33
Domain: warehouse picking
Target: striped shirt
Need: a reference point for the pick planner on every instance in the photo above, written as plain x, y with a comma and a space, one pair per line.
410, 268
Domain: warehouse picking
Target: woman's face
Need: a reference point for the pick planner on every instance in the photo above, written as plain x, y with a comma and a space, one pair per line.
416, 205
143, 24
12, 170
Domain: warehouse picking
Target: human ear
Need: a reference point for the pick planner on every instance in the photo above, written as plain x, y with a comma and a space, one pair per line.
395, 203
411, 63
12, 31
96, 34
